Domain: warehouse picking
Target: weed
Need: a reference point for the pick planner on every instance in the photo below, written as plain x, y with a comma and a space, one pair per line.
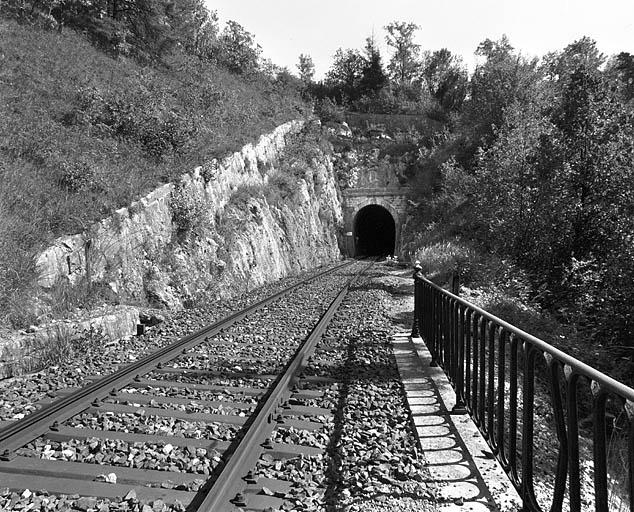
63, 344
65, 297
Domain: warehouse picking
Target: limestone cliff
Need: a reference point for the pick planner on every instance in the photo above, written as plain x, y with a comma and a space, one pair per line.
225, 227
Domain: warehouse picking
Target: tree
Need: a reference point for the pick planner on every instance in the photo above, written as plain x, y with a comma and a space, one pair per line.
582, 53
345, 74
145, 29
513, 202
151, 34
195, 27
597, 178
238, 50
502, 79
446, 79
306, 68
373, 78
269, 69
404, 65
621, 68
554, 190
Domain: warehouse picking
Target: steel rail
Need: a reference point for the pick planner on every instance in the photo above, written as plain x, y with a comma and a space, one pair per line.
478, 350
17, 434
229, 481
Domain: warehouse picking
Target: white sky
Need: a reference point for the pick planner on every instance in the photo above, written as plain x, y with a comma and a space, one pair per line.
286, 28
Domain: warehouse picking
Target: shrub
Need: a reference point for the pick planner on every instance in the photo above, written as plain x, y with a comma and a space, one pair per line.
78, 176
190, 212
303, 151
281, 187
440, 260
243, 194
137, 116
327, 110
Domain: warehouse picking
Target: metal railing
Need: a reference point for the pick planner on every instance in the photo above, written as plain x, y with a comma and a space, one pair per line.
500, 374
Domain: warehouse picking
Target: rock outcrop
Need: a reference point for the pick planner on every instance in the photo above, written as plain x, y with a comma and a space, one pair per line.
24, 351
222, 229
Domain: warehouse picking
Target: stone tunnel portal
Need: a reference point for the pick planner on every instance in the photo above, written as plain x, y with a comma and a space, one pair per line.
374, 231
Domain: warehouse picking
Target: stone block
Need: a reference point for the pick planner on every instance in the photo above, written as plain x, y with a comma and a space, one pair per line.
21, 352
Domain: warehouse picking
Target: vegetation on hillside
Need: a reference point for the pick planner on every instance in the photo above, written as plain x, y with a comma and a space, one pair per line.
532, 160
88, 122
537, 171
532, 170
411, 81
551, 184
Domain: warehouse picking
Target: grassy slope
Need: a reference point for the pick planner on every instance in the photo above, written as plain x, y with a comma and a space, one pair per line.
62, 166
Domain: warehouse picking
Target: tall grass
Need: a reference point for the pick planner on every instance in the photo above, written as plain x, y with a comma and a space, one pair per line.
439, 260
82, 134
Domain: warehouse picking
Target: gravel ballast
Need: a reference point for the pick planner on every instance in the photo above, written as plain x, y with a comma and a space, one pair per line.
369, 459
275, 332
19, 395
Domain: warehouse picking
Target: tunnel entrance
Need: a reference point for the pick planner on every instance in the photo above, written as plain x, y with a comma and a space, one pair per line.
374, 231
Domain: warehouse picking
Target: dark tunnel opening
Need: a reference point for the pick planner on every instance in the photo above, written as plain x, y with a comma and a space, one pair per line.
374, 231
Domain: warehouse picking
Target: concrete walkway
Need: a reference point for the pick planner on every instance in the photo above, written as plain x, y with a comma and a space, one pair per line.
460, 462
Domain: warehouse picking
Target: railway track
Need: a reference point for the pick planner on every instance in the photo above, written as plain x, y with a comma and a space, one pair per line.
199, 423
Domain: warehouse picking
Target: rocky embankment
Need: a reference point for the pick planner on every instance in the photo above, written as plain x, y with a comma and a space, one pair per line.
222, 230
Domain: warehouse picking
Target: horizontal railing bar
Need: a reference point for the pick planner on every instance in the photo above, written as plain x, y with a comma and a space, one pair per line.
579, 367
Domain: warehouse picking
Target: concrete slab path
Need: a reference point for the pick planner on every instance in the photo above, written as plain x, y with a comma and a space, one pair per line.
460, 461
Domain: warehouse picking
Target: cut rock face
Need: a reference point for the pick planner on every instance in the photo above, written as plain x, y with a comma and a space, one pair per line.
160, 294
195, 235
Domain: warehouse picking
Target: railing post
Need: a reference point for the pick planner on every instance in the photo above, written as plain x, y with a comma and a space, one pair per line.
599, 445
629, 410
417, 301
455, 282
434, 300
459, 407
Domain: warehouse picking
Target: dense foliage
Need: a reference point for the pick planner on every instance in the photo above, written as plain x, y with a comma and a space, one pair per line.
535, 163
542, 171
410, 82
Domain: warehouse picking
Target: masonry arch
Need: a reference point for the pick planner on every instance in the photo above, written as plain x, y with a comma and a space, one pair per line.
355, 200
374, 231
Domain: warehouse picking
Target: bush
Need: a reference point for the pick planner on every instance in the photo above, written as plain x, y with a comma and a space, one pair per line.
190, 212
281, 187
303, 151
242, 195
327, 110
78, 176
440, 260
137, 116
